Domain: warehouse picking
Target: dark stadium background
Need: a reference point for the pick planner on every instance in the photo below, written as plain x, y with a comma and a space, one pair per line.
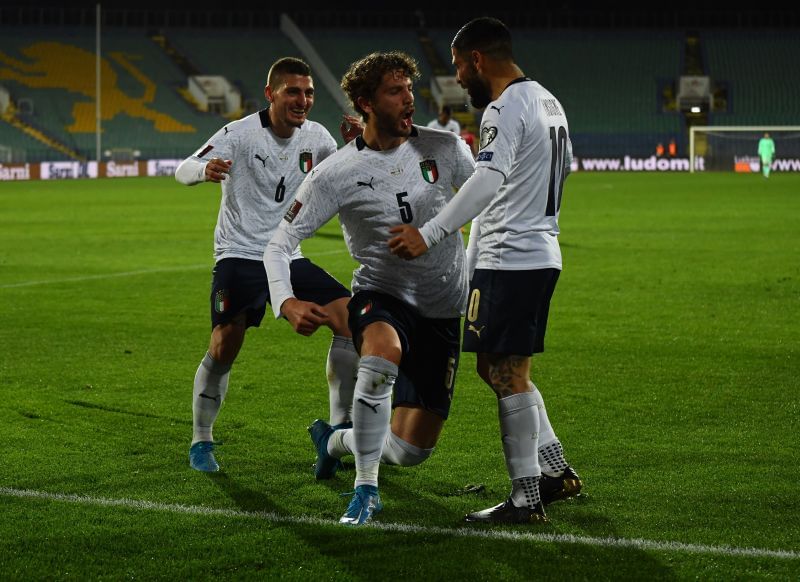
614, 66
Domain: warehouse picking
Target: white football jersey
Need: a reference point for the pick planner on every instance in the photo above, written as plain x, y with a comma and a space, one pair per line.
264, 177
375, 190
524, 136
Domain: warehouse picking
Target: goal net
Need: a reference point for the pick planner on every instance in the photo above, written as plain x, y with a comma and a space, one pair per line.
735, 148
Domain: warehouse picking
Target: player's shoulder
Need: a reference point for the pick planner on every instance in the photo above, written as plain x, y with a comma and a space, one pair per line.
437, 136
315, 128
257, 120
516, 96
522, 99
243, 127
337, 162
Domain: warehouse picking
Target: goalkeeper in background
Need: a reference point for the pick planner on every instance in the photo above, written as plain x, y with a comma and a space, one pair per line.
766, 151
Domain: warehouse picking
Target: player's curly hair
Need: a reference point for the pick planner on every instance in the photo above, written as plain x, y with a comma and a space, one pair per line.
364, 76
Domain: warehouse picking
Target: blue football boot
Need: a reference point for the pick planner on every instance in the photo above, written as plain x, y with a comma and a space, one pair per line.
326, 465
201, 457
363, 506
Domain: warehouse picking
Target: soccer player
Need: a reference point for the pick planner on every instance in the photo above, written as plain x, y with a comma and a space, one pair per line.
405, 316
766, 151
513, 257
445, 122
260, 161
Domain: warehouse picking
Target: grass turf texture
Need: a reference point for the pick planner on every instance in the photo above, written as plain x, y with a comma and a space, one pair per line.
670, 376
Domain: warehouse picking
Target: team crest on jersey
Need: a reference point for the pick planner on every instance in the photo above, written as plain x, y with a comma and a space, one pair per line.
221, 301
293, 210
305, 162
429, 171
488, 133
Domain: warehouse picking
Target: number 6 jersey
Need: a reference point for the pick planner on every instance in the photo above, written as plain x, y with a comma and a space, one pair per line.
373, 191
524, 136
264, 177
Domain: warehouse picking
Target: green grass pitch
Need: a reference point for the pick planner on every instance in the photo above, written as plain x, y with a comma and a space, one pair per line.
670, 376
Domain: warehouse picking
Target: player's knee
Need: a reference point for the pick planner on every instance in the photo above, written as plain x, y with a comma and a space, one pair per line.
396, 451
226, 341
338, 314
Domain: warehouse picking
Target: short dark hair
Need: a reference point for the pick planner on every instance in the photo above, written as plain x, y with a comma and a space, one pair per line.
446, 110
287, 66
364, 76
486, 35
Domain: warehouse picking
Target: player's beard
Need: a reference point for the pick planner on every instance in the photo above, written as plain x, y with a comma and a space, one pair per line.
391, 125
480, 92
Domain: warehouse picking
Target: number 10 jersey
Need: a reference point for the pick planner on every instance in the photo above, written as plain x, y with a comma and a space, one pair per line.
524, 136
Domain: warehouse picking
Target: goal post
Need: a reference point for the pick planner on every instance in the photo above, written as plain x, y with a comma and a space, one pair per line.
735, 147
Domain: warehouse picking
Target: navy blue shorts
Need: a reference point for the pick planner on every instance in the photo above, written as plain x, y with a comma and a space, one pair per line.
431, 348
241, 285
507, 311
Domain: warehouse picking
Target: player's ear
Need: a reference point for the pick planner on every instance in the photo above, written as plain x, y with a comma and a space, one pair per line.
477, 59
364, 104
268, 93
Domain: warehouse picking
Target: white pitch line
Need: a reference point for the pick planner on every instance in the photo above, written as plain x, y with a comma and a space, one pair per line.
466, 532
127, 274
104, 276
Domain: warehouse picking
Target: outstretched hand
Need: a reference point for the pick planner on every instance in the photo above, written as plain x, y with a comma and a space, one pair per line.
408, 242
351, 127
217, 169
304, 316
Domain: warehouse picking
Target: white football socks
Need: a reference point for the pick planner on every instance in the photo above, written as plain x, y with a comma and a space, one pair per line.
396, 451
519, 427
210, 387
342, 369
372, 411
551, 454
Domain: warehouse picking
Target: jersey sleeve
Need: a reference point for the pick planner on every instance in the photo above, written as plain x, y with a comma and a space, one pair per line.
220, 145
314, 205
191, 171
501, 133
328, 146
464, 164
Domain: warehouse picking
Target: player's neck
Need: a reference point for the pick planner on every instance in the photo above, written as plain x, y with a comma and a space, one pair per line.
379, 141
280, 128
503, 76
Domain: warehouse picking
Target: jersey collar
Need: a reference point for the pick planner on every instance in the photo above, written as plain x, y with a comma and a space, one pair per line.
264, 116
518, 80
361, 144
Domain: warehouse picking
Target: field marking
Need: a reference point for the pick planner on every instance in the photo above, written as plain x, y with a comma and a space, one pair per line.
633, 543
129, 273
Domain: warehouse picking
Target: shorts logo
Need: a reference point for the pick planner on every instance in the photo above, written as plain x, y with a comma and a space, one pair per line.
475, 330
305, 162
221, 301
366, 308
488, 134
484, 157
429, 171
293, 210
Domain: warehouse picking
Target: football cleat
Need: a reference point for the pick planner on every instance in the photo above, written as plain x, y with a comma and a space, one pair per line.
564, 486
363, 506
326, 464
509, 514
201, 457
